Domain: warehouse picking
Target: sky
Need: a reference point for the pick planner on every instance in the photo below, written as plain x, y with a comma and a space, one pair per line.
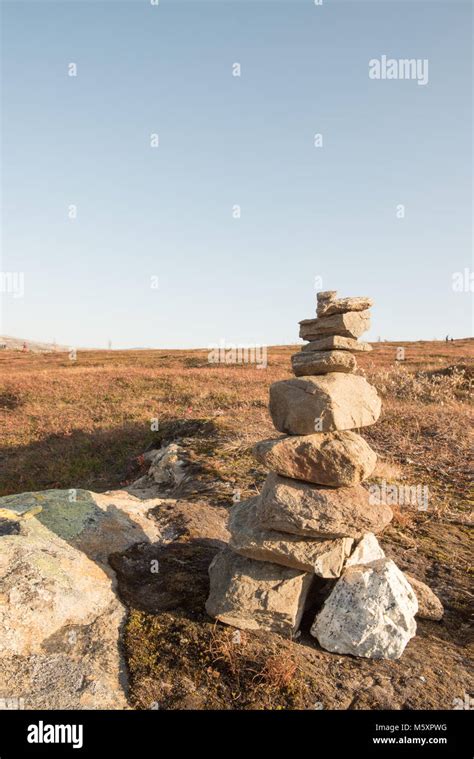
226, 229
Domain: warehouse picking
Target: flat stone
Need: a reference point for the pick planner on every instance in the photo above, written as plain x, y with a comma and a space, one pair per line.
334, 401
343, 305
333, 459
370, 613
322, 362
256, 595
336, 342
351, 324
324, 558
314, 511
368, 549
429, 605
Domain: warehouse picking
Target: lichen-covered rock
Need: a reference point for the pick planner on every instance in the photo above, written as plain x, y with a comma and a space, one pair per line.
322, 362
60, 617
335, 401
256, 595
370, 612
335, 459
97, 524
59, 624
350, 324
324, 558
429, 605
312, 511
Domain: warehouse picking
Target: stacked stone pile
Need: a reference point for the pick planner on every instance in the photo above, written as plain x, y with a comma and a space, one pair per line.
313, 518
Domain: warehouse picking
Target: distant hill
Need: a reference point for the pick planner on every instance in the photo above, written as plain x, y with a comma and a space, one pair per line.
18, 343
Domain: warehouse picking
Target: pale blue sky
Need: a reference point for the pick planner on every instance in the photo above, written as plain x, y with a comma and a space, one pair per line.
167, 212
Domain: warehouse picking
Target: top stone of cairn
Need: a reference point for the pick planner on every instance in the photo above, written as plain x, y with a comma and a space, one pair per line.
341, 318
328, 304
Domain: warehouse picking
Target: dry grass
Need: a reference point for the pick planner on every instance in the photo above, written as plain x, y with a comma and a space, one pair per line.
211, 666
85, 423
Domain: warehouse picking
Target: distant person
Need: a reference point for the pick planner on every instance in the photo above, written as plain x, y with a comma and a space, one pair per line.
447, 338
25, 348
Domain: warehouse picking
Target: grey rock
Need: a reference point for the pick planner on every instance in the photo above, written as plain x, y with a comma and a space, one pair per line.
336, 342
334, 401
322, 362
429, 605
256, 595
324, 558
334, 459
343, 305
351, 324
314, 511
370, 612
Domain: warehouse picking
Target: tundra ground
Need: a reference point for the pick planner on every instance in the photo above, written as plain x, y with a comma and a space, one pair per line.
86, 424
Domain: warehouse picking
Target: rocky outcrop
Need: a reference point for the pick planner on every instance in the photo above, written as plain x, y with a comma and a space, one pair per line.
60, 617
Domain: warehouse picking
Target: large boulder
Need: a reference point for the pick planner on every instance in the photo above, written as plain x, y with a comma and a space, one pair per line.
97, 524
322, 362
351, 324
313, 511
256, 595
324, 558
334, 401
336, 343
334, 459
60, 617
59, 624
370, 612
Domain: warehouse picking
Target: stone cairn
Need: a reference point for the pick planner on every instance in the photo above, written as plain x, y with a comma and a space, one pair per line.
314, 525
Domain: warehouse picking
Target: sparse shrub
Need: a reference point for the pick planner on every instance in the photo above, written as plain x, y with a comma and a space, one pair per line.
427, 387
10, 400
278, 673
